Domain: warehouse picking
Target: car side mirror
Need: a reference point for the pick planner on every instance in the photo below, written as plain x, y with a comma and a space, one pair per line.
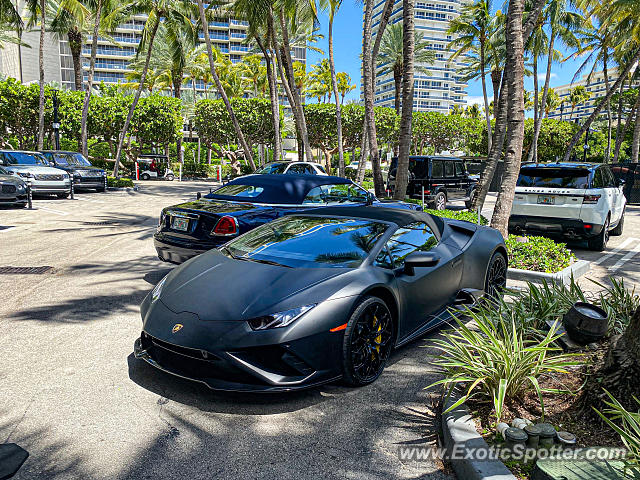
370, 198
420, 259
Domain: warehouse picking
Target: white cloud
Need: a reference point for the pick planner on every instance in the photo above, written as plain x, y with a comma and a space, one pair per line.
543, 76
475, 99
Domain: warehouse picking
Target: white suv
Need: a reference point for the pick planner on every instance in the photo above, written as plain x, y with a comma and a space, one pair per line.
35, 170
568, 200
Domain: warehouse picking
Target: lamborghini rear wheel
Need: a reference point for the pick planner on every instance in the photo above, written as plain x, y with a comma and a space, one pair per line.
496, 280
368, 340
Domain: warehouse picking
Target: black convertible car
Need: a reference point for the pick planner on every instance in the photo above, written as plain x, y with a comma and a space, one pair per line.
314, 297
191, 228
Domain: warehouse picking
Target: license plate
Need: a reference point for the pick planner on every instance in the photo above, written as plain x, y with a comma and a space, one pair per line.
181, 224
546, 200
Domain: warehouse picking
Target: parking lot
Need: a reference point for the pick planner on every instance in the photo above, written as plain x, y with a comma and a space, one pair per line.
74, 397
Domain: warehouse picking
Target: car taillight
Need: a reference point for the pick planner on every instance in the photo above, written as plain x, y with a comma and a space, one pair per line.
225, 227
591, 198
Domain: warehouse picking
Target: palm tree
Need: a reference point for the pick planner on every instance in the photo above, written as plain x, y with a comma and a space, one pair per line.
174, 14
563, 23
391, 56
475, 26
578, 95
404, 139
344, 84
252, 69
38, 16
333, 6
10, 22
552, 102
623, 14
248, 154
320, 77
70, 21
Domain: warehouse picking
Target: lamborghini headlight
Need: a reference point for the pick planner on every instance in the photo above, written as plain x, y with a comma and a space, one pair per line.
280, 319
157, 290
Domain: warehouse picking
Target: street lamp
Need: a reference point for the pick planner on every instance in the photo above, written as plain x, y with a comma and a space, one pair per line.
56, 121
586, 144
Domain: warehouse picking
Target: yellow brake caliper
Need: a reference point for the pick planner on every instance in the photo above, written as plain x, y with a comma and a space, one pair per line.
379, 337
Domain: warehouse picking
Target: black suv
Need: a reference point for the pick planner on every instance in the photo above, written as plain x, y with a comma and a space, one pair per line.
85, 175
443, 179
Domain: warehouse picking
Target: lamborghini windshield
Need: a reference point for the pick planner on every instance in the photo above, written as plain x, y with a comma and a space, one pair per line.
308, 241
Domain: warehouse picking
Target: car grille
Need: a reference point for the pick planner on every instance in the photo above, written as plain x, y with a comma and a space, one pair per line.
48, 177
9, 189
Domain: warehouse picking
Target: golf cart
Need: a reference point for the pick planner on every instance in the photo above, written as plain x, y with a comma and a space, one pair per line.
154, 166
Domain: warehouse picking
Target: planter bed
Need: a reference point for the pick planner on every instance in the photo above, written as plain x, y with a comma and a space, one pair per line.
574, 270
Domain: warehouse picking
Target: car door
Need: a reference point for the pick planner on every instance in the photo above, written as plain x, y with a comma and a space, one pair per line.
451, 182
430, 289
618, 199
462, 181
600, 186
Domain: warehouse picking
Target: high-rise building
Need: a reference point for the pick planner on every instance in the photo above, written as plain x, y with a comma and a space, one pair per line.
595, 86
112, 60
439, 89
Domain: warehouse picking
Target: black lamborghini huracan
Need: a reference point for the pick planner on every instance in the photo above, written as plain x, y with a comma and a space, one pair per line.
315, 297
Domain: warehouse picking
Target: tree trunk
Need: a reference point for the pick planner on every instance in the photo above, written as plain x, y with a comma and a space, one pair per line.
273, 96
404, 139
177, 86
585, 126
41, 78
364, 154
334, 83
496, 80
248, 154
536, 105
487, 115
515, 119
384, 21
635, 146
533, 156
397, 83
368, 81
136, 97
74, 37
619, 134
87, 96
605, 72
297, 104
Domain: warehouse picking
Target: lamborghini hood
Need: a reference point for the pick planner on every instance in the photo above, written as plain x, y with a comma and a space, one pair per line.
218, 288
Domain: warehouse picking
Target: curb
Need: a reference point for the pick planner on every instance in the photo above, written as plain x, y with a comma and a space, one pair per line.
459, 431
562, 277
123, 189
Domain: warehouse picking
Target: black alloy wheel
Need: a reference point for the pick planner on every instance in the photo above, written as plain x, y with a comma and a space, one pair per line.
496, 280
368, 342
599, 243
440, 202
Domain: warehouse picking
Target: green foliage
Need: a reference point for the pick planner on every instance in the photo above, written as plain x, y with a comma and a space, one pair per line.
456, 214
443, 132
254, 115
322, 125
157, 121
627, 425
496, 363
119, 182
538, 254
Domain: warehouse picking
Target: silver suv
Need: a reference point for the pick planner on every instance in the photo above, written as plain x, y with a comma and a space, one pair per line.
34, 169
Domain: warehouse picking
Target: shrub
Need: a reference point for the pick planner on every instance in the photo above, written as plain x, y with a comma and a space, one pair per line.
539, 254
628, 429
458, 215
119, 182
497, 363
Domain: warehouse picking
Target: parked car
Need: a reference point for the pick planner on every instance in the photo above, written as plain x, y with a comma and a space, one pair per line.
85, 176
443, 178
13, 190
298, 168
35, 169
191, 228
155, 166
354, 165
315, 297
568, 200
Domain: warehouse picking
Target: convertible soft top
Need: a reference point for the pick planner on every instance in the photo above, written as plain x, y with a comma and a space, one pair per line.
400, 217
281, 189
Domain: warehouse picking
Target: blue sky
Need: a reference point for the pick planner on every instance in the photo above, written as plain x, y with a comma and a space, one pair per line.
348, 47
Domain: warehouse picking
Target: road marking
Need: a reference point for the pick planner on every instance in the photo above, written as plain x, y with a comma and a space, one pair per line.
57, 212
616, 250
626, 258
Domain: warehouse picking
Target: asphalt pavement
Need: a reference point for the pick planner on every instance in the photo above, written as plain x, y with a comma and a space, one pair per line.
74, 397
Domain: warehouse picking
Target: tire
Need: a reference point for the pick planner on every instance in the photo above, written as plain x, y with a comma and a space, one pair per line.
440, 202
616, 232
171, 178
364, 356
63, 195
599, 243
496, 278
468, 203
145, 176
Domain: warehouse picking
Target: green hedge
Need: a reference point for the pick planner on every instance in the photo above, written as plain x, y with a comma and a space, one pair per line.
119, 182
538, 254
457, 215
